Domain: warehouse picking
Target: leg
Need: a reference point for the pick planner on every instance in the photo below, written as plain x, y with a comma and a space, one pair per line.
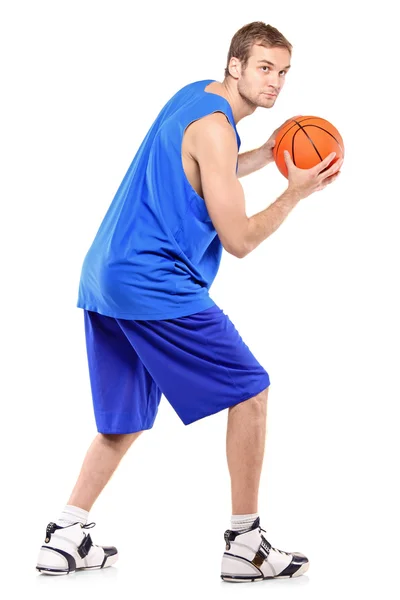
245, 444
101, 460
248, 554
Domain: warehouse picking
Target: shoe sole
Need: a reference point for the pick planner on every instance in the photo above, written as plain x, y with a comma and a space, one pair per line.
110, 560
249, 578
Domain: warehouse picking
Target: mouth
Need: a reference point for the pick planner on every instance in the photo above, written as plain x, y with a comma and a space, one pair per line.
271, 95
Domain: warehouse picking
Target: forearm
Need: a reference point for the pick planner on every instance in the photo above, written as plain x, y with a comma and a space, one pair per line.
251, 161
264, 223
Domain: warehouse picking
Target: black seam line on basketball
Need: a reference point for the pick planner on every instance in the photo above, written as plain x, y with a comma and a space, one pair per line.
326, 131
309, 139
245, 559
293, 153
280, 141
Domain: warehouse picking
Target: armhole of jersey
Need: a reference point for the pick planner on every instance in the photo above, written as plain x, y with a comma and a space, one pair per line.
187, 182
217, 110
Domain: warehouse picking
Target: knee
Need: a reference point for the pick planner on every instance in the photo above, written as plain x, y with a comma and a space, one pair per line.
256, 404
118, 439
259, 402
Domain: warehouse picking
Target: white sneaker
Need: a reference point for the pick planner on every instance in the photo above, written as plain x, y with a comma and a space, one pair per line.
68, 549
249, 556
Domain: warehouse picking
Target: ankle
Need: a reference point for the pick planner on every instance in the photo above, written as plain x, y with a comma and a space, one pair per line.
72, 514
243, 522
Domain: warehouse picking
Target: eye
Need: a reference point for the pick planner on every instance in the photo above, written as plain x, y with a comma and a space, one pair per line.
264, 67
282, 73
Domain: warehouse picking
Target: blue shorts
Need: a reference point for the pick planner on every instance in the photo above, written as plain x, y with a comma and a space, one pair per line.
199, 362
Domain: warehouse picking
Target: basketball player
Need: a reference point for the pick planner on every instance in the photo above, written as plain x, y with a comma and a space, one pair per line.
151, 326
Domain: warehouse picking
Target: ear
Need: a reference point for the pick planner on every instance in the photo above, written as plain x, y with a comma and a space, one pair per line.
235, 67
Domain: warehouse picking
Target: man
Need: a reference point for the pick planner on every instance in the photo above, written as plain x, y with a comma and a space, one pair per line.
151, 325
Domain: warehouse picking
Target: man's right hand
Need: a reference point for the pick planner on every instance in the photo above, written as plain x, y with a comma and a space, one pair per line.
305, 182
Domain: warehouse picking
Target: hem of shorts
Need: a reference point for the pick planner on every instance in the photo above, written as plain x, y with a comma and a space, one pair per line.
121, 425
181, 312
121, 430
256, 390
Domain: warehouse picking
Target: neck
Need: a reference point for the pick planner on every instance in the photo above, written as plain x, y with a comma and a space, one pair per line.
240, 107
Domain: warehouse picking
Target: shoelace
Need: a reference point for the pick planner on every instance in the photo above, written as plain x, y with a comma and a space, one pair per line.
276, 549
52, 527
88, 526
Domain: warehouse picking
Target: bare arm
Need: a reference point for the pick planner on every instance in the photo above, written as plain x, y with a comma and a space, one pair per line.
253, 160
302, 183
267, 221
215, 149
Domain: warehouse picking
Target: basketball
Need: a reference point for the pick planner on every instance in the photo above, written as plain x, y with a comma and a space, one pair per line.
308, 140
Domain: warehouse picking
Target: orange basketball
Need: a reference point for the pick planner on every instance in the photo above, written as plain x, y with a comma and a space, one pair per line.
308, 140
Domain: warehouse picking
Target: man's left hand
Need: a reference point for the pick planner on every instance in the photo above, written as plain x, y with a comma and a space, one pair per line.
268, 147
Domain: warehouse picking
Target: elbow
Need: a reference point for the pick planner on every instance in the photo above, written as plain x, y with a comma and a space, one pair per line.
242, 253
238, 251
238, 245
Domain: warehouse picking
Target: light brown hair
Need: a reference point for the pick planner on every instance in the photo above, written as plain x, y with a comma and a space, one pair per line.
255, 33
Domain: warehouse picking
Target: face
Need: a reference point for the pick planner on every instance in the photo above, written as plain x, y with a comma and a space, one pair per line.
264, 76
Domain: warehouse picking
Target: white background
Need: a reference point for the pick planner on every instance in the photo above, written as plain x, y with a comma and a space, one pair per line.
82, 81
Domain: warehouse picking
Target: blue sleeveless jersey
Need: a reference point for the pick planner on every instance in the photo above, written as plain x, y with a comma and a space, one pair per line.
157, 252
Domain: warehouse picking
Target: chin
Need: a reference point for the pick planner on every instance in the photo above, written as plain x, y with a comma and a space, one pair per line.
268, 102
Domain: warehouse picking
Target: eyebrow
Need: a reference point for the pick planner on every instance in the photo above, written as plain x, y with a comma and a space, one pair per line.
270, 63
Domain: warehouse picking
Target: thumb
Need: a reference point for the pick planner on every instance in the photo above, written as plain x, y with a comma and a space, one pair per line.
288, 159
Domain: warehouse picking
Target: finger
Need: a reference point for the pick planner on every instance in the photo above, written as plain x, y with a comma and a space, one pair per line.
324, 163
330, 180
333, 178
333, 169
288, 159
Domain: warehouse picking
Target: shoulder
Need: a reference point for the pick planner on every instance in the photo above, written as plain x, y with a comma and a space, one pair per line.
215, 121
214, 129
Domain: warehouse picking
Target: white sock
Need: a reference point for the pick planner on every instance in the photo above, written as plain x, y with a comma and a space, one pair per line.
242, 522
72, 514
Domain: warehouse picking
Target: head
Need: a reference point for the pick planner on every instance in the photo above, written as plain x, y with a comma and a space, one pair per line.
258, 60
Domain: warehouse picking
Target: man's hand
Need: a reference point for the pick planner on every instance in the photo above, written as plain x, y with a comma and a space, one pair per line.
304, 182
268, 147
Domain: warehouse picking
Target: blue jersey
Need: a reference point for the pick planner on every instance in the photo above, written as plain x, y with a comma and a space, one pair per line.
157, 252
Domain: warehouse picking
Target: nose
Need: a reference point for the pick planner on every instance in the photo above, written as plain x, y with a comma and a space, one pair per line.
274, 81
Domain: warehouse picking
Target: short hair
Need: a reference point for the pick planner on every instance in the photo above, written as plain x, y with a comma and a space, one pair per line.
254, 33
